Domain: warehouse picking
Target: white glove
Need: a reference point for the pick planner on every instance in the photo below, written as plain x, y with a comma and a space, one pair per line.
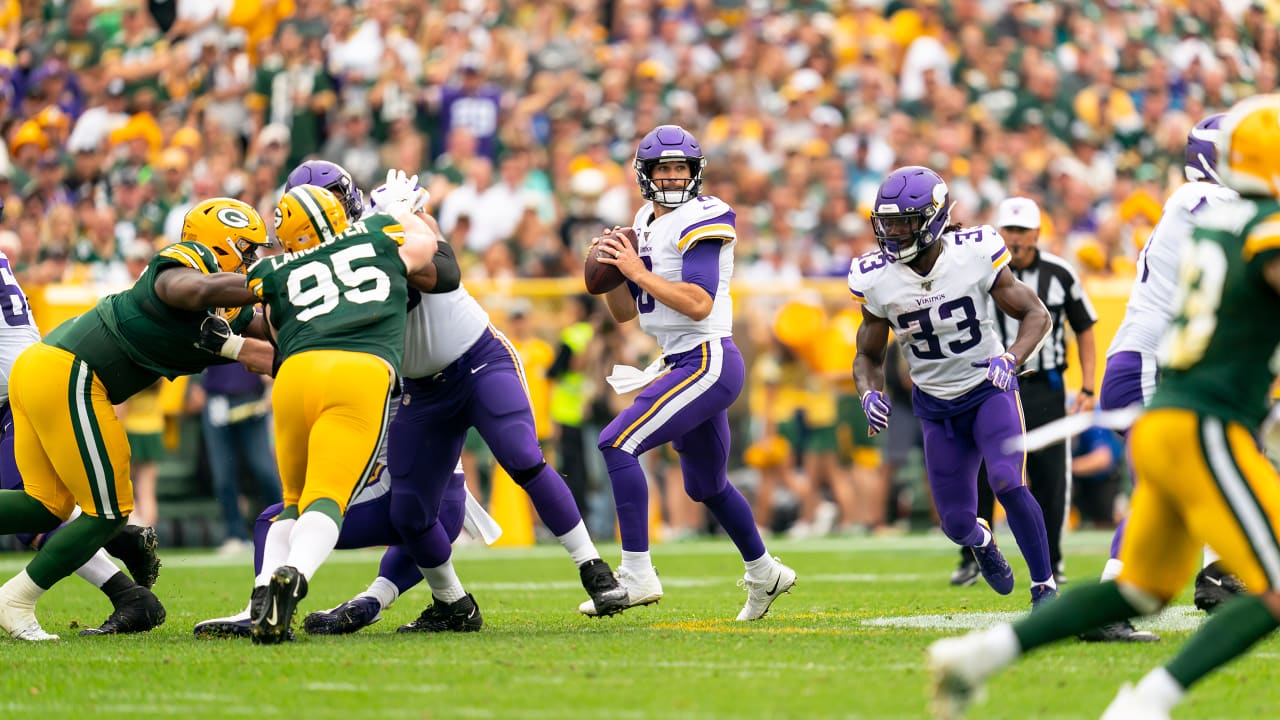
400, 194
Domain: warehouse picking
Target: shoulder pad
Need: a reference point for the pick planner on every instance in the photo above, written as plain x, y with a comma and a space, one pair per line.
706, 218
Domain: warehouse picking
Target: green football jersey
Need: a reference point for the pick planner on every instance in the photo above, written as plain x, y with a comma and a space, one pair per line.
132, 338
1219, 356
348, 293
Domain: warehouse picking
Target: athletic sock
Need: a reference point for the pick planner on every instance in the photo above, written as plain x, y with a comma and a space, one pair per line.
578, 543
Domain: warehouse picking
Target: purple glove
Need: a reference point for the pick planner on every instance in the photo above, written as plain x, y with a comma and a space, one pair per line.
1000, 370
878, 410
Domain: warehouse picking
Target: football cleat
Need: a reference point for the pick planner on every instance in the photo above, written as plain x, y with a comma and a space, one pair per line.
458, 616
135, 546
991, 563
958, 673
1214, 586
138, 610
760, 595
608, 596
1122, 631
966, 573
271, 623
1041, 594
19, 620
1129, 705
641, 590
235, 626
355, 614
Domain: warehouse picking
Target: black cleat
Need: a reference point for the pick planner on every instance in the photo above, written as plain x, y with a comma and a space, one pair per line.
350, 616
271, 623
135, 546
966, 573
1214, 586
137, 610
1121, 632
230, 627
608, 595
458, 616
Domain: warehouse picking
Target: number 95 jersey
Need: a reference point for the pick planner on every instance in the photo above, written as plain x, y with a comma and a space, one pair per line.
941, 319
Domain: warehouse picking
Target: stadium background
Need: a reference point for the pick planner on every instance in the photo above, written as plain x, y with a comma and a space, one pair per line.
523, 117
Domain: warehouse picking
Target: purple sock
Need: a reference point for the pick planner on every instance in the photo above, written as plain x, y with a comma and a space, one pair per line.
1117, 539
399, 568
734, 514
1026, 520
631, 497
260, 528
553, 501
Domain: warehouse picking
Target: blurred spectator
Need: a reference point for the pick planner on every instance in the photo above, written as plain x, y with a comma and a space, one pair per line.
1095, 473
144, 425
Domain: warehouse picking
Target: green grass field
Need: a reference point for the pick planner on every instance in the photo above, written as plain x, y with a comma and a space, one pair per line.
847, 643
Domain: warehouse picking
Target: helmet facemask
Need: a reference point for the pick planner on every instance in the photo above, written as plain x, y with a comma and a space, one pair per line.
660, 191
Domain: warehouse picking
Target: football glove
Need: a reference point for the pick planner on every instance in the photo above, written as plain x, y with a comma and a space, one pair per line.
400, 194
1000, 370
876, 405
216, 337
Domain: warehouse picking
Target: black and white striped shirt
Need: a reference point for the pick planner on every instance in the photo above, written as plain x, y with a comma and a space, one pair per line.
1056, 284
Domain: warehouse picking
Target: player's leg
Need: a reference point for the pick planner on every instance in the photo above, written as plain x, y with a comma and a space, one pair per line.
72, 449
951, 463
500, 412
1160, 552
998, 420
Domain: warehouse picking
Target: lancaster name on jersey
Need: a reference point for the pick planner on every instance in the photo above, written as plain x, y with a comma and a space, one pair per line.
942, 319
1151, 301
663, 243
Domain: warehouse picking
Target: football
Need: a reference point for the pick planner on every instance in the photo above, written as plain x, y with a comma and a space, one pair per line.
600, 277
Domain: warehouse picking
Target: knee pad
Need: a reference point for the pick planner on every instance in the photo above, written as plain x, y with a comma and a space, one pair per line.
1141, 600
523, 476
409, 521
957, 525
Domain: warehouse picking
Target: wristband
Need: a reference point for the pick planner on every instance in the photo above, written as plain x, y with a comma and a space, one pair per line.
231, 348
1086, 392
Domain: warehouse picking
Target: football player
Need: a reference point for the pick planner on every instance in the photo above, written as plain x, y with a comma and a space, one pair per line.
678, 286
1201, 476
70, 447
929, 283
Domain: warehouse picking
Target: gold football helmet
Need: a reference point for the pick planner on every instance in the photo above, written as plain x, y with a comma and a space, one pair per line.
307, 216
1247, 142
232, 229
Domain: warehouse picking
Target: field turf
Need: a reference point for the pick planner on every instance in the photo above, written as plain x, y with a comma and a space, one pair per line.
847, 643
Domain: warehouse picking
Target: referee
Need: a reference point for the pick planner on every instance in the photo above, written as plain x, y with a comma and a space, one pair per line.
1044, 396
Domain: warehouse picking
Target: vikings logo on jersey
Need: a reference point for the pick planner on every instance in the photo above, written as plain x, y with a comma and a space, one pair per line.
942, 319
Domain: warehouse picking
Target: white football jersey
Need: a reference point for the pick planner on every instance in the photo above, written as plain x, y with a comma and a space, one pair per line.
18, 329
439, 329
1151, 301
663, 243
942, 320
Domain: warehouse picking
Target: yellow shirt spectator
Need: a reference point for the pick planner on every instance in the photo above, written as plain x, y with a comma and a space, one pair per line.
259, 19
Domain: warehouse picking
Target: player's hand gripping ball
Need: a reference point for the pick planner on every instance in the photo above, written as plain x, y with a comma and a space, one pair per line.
603, 277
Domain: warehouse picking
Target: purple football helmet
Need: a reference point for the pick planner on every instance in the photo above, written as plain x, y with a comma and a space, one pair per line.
1202, 150
332, 177
913, 206
663, 144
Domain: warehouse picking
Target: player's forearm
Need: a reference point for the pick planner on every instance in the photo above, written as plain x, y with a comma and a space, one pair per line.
620, 303
257, 356
1085, 345
868, 372
224, 290
685, 298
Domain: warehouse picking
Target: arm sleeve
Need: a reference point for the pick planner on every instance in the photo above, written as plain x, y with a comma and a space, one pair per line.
448, 274
702, 266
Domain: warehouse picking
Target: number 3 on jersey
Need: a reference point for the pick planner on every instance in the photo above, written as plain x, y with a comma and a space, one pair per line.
966, 315
311, 286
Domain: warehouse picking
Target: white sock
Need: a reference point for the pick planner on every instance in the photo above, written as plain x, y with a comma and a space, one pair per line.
1159, 687
275, 551
21, 590
1210, 556
444, 583
382, 590
760, 568
578, 542
312, 540
98, 570
1050, 582
987, 535
1001, 644
637, 563
1112, 569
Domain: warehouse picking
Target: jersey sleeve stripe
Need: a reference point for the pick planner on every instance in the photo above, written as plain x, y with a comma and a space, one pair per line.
395, 231
996, 255
186, 256
719, 230
1001, 258
1263, 237
859, 299
255, 286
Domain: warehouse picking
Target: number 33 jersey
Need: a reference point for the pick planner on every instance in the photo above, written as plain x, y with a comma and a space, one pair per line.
348, 293
941, 319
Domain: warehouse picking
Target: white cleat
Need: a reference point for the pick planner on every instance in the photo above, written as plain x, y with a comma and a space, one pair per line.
958, 672
641, 590
760, 595
19, 620
1130, 705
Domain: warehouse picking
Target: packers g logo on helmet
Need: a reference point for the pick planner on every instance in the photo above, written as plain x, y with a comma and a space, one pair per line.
307, 216
232, 229
1247, 140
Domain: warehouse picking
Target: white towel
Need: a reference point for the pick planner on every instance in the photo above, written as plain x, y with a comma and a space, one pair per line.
626, 378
